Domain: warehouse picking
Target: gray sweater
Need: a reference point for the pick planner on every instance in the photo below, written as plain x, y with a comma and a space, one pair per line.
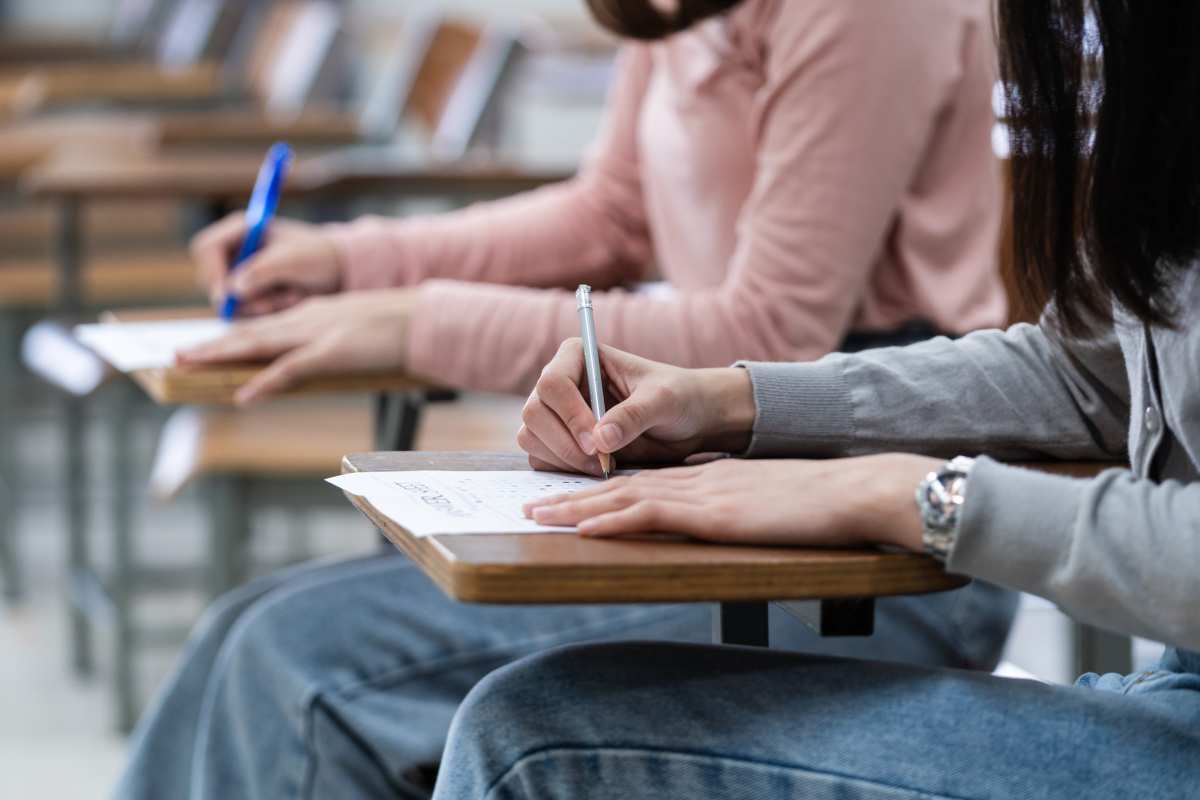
1121, 550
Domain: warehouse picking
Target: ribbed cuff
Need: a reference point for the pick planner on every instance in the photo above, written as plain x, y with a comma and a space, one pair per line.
1017, 526
802, 409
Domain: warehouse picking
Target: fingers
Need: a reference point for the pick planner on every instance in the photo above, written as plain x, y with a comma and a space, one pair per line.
544, 428
537, 449
271, 303
542, 466
646, 516
651, 483
212, 248
286, 372
576, 508
248, 341
285, 267
632, 417
561, 396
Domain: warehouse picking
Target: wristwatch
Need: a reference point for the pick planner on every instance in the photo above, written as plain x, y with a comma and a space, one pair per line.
940, 498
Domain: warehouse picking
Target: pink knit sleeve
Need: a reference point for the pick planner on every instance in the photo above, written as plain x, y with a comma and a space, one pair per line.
590, 228
852, 94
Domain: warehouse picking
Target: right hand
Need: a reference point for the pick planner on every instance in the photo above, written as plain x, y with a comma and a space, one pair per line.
297, 261
656, 413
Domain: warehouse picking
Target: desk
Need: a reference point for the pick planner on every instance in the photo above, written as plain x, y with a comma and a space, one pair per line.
216, 385
73, 179
560, 568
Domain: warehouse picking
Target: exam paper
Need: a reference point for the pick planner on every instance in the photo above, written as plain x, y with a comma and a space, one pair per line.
443, 502
130, 346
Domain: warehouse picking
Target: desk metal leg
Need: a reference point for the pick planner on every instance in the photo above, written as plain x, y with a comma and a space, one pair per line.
120, 585
1102, 651
396, 419
744, 624
229, 533
847, 616
70, 255
78, 557
10, 564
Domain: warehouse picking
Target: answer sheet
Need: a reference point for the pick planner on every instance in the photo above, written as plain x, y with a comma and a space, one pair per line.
445, 502
130, 346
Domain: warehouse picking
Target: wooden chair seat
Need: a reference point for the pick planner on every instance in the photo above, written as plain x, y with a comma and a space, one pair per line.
303, 438
109, 280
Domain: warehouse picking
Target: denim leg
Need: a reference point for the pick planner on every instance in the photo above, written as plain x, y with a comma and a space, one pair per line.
665, 721
345, 676
344, 685
161, 746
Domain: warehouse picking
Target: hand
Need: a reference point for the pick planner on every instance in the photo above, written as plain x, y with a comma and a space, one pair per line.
656, 413
842, 502
353, 332
297, 261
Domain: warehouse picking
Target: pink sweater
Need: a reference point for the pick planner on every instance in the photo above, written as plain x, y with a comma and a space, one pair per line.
795, 169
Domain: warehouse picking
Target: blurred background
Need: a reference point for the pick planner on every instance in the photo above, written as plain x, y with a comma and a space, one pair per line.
125, 126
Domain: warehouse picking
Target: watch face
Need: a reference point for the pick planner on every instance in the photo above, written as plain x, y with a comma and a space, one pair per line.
939, 504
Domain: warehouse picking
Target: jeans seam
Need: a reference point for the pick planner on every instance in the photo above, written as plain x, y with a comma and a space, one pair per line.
642, 751
319, 697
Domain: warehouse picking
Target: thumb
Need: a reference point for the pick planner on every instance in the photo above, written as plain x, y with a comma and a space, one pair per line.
632, 417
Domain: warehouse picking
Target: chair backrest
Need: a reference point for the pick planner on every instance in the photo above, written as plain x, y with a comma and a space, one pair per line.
197, 30
405, 46
444, 75
134, 22
297, 49
465, 114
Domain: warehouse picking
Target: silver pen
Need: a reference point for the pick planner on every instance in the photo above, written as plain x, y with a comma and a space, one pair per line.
591, 361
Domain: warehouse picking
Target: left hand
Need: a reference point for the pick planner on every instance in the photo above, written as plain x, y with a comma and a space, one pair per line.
846, 502
351, 332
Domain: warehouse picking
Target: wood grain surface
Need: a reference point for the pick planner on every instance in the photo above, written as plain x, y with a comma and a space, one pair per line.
563, 568
216, 175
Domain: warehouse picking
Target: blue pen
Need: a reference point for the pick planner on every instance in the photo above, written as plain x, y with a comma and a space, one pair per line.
263, 202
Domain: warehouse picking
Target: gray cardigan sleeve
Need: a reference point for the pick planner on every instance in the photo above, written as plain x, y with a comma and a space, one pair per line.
1017, 394
1100, 548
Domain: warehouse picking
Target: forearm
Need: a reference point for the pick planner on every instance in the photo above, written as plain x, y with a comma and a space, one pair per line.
554, 236
1015, 395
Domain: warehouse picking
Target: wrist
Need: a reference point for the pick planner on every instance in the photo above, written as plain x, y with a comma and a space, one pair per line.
729, 409
888, 514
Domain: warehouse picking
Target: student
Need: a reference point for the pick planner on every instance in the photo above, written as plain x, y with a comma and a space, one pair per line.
797, 170
1110, 232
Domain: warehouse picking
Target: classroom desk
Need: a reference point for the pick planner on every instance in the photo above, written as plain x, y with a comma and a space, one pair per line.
836, 587
71, 180
25, 91
216, 385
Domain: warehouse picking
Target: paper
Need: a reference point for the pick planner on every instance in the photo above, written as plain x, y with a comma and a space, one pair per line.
130, 346
444, 502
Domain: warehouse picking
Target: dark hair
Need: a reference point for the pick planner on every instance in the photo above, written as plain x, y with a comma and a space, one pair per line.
640, 19
1103, 101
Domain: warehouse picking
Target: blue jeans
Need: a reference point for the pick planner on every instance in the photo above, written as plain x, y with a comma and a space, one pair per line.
341, 680
629, 721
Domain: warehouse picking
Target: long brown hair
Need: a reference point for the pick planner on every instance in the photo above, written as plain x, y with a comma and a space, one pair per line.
1103, 100
640, 19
